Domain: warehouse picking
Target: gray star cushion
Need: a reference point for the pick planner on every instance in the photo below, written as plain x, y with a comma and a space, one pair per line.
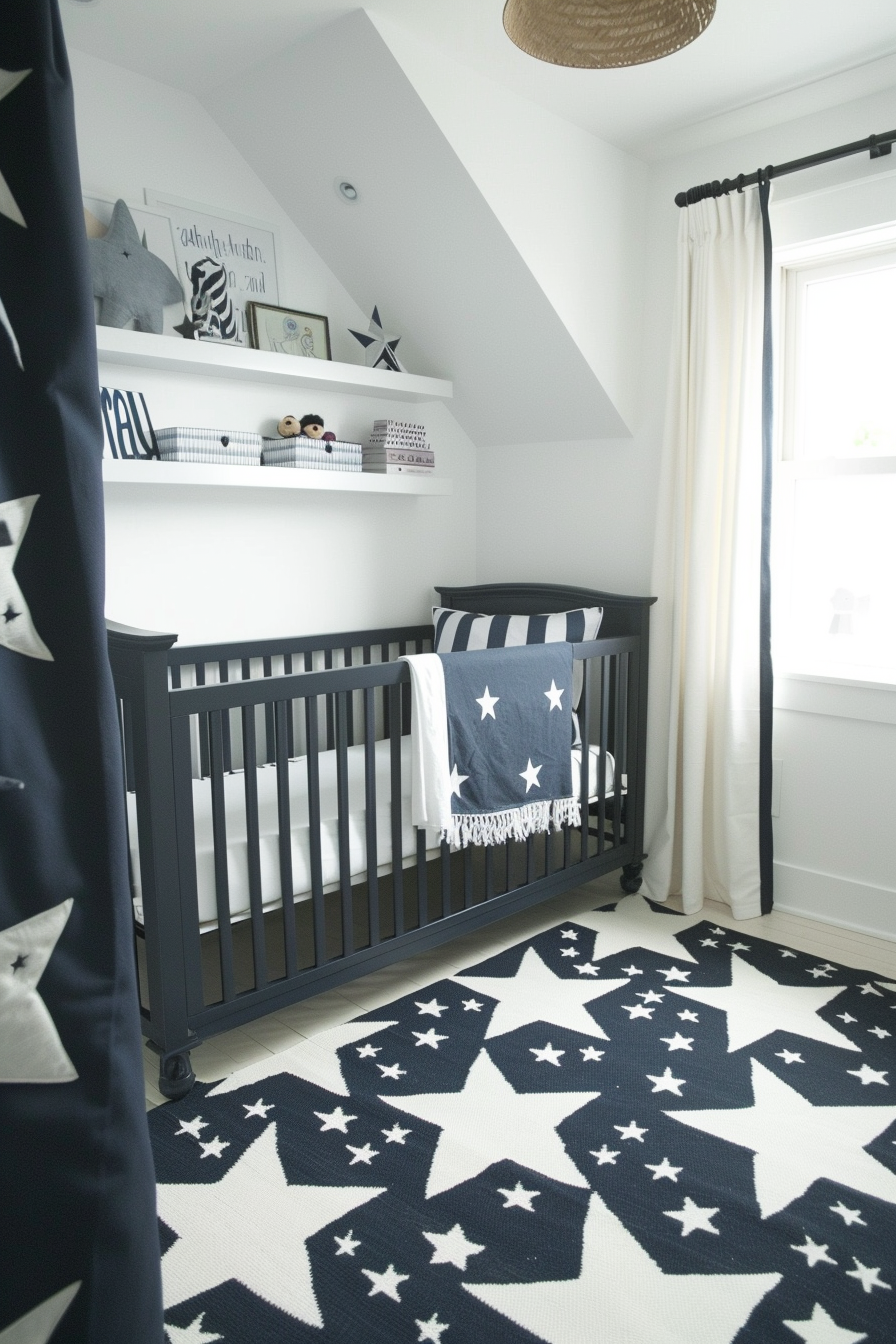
127, 279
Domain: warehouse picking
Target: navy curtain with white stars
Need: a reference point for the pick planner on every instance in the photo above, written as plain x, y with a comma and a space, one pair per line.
79, 1251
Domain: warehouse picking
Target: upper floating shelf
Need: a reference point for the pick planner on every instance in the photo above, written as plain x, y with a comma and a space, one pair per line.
141, 349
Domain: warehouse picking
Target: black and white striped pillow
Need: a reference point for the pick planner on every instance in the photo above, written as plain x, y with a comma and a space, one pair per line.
461, 631
458, 631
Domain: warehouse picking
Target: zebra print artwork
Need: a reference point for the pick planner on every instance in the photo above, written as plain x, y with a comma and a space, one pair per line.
210, 303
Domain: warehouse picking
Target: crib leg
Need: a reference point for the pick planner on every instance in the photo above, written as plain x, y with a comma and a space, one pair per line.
630, 878
176, 1075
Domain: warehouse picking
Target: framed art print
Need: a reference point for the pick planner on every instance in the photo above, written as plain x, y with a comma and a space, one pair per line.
287, 332
224, 261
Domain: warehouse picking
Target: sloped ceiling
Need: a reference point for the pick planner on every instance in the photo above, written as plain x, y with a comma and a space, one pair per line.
421, 241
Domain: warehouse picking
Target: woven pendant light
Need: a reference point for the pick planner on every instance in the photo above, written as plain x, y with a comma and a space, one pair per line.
603, 34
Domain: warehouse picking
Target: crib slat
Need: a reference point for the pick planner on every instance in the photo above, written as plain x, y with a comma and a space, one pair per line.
489, 872
223, 676
199, 671
584, 732
468, 876
328, 665
312, 746
182, 763
602, 759
566, 846
445, 867
270, 751
285, 836
350, 704
253, 857
373, 885
342, 803
422, 884
219, 841
530, 858
393, 703
618, 730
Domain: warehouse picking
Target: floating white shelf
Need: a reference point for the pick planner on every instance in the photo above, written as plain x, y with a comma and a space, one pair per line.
118, 472
141, 349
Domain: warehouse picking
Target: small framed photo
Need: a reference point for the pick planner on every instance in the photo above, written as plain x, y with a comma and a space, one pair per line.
287, 332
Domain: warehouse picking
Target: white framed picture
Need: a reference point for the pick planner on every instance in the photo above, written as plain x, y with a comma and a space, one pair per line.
155, 231
223, 260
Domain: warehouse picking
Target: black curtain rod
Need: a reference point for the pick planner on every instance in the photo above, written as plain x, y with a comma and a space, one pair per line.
877, 145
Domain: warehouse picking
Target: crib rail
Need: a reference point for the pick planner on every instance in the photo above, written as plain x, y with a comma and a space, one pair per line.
275, 854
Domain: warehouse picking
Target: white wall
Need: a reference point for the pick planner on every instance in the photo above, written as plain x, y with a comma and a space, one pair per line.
226, 563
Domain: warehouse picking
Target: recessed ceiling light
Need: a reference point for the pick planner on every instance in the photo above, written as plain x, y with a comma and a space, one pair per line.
347, 190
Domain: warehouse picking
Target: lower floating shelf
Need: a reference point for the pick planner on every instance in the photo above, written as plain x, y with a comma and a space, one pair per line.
125, 472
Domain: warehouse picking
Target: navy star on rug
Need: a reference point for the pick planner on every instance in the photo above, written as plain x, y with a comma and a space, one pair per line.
599, 1133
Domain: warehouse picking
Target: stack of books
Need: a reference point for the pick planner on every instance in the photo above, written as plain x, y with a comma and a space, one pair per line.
230, 448
399, 448
312, 454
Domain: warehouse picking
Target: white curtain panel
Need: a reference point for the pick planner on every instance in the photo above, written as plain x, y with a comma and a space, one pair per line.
703, 725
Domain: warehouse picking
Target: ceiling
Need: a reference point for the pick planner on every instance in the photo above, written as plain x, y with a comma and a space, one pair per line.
815, 52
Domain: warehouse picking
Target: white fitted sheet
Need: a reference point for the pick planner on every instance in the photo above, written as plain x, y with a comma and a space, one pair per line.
300, 848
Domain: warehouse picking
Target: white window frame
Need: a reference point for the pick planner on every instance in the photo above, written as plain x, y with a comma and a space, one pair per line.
795, 267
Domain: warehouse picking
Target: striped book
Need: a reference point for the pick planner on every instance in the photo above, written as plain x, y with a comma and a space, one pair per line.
397, 469
411, 457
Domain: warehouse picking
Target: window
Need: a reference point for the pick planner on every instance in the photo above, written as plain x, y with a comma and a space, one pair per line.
835, 490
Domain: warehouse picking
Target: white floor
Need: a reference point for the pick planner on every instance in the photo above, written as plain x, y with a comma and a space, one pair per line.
235, 1049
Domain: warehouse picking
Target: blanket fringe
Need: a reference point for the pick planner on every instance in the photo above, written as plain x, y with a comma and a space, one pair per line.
516, 823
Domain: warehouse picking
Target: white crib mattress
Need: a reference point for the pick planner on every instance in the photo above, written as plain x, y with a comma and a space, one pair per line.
300, 848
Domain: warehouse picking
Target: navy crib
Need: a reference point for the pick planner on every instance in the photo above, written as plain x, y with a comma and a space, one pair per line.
211, 729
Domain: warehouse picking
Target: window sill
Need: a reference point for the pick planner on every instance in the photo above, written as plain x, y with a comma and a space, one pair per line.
836, 695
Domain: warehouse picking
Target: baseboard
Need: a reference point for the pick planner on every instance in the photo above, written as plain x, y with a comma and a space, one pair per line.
836, 900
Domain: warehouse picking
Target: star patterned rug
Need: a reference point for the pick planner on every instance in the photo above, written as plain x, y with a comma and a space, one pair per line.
636, 1127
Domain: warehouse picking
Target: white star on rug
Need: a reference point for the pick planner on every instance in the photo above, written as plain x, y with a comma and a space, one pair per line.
739, 947
879, 1032
471, 1005
536, 994
786, 952
394, 1071
396, 1134
666, 1083
693, 1218
488, 1122
637, 1010
588, 1052
847, 1018
631, 1131
547, 1055
191, 1127
671, 973
688, 1016
650, 996
17, 632
347, 1244
635, 924
386, 1283
586, 968
456, 780
796, 1143
678, 1042
430, 1038
818, 972
9, 80
315, 1060
488, 703
259, 1109
569, 952
365, 1154
190, 1334
432, 1008
868, 1278
530, 774
849, 1216
31, 1050
214, 1148
821, 1328
814, 1253
789, 1056
868, 1075
569, 933
868, 988
519, 1198
709, 942
216, 1241
555, 1310
431, 1330
452, 1248
336, 1119
368, 1051
757, 1005
554, 695
605, 1155
665, 1170
37, 1325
